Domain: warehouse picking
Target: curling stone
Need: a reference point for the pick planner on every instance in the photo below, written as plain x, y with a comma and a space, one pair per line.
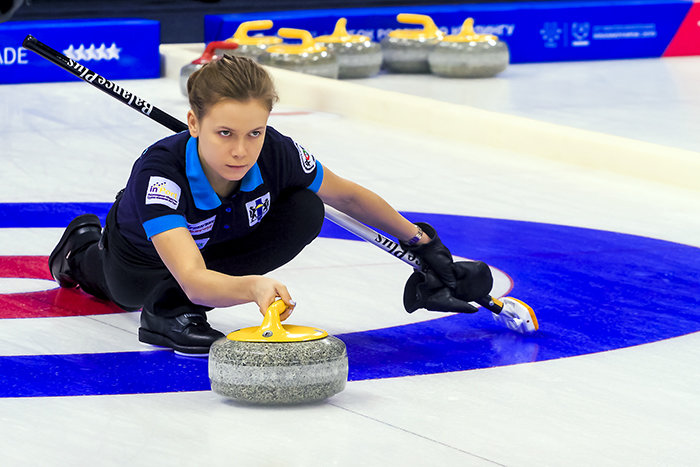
278, 364
357, 55
469, 55
206, 57
306, 57
250, 46
407, 50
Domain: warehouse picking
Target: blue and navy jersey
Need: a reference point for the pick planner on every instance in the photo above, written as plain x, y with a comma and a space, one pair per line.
168, 189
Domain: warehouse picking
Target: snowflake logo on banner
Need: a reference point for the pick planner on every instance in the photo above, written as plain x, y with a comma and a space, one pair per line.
93, 53
551, 33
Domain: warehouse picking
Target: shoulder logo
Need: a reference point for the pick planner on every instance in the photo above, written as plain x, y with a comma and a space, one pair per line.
308, 163
163, 191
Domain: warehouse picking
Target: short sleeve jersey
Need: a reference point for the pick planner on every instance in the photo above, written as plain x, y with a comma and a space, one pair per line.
168, 189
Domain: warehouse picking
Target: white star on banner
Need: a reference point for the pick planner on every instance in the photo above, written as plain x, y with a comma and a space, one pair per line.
93, 53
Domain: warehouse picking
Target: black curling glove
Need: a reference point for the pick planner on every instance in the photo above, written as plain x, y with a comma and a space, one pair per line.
425, 290
474, 280
434, 256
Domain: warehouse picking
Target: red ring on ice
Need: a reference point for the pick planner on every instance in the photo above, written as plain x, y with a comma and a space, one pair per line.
53, 303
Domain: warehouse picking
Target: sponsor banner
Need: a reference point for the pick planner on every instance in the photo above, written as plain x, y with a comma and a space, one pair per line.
115, 48
534, 32
687, 38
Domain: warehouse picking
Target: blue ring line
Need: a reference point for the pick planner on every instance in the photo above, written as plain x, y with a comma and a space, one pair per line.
593, 291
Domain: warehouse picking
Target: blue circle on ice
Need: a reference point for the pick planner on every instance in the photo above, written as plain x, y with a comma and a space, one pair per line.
592, 290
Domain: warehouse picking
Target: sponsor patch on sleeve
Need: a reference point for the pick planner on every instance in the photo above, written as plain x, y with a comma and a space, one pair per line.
201, 227
308, 163
201, 243
163, 191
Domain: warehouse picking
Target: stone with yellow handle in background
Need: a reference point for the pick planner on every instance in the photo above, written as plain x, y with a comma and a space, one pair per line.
305, 57
358, 56
469, 55
251, 46
407, 50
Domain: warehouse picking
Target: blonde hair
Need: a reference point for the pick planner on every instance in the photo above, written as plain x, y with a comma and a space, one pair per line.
230, 77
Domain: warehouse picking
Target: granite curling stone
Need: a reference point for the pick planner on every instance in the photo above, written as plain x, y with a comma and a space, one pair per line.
206, 57
306, 57
278, 365
469, 55
357, 55
250, 46
407, 50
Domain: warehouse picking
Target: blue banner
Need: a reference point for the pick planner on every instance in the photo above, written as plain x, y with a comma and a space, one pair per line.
115, 48
534, 32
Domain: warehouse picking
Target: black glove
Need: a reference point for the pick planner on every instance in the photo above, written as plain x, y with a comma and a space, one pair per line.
434, 256
474, 280
425, 290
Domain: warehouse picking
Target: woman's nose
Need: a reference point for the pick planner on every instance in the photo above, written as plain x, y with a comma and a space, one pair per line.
238, 149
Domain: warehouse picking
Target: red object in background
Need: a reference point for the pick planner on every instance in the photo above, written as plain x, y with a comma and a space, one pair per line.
49, 303
687, 39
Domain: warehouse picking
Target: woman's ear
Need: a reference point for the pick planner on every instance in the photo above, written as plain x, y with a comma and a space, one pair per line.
193, 124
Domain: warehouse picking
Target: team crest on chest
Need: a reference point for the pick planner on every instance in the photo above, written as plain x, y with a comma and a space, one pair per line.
308, 162
257, 209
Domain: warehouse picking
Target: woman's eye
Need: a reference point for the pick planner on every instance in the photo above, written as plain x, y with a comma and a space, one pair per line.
225, 133
255, 133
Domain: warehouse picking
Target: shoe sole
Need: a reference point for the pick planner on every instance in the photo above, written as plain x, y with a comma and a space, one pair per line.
152, 338
63, 279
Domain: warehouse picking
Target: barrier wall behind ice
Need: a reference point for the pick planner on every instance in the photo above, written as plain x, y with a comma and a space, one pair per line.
535, 32
115, 48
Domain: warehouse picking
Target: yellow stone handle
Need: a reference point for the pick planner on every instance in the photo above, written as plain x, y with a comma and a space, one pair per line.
467, 34
426, 21
271, 330
467, 28
307, 39
271, 321
241, 36
242, 31
341, 28
341, 35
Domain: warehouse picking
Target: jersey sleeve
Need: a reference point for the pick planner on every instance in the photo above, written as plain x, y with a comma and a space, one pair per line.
159, 192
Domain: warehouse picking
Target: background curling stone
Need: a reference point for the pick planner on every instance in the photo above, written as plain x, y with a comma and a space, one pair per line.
250, 46
469, 55
357, 55
307, 57
407, 50
275, 364
206, 57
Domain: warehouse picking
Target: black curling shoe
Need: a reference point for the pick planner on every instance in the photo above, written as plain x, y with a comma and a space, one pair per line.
82, 232
188, 334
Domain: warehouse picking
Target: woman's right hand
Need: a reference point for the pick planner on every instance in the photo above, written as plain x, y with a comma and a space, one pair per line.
265, 291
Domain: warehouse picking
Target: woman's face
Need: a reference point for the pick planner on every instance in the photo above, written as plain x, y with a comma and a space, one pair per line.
230, 138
